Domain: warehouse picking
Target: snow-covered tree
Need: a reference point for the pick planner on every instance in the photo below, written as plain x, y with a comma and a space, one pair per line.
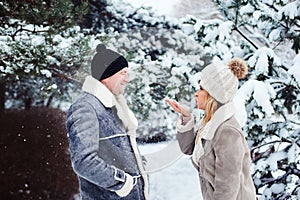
40, 47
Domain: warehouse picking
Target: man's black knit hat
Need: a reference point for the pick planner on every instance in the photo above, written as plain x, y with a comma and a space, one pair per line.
106, 63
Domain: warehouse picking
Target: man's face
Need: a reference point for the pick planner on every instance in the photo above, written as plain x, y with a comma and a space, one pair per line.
117, 82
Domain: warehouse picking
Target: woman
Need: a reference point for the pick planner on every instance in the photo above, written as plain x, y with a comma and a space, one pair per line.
219, 150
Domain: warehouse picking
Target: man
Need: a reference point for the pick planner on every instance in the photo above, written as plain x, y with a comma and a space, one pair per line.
102, 130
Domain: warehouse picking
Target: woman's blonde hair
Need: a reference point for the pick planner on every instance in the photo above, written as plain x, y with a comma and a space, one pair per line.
211, 107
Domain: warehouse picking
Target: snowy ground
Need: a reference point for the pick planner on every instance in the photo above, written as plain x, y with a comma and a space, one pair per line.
177, 182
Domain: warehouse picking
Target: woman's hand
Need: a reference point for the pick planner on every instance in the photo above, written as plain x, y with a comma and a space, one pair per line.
177, 107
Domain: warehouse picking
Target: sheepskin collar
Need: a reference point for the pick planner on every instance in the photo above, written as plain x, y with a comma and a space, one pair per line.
221, 115
96, 88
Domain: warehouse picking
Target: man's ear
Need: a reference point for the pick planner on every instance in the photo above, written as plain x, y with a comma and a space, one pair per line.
104, 81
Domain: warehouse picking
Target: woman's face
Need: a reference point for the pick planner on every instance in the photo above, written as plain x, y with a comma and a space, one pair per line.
201, 98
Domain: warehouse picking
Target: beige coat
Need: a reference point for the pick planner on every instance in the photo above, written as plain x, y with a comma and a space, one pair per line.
221, 157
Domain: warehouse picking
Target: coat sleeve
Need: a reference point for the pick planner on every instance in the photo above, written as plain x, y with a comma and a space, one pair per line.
186, 136
229, 150
83, 132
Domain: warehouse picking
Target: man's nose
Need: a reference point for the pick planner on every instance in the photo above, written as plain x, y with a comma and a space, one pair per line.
126, 79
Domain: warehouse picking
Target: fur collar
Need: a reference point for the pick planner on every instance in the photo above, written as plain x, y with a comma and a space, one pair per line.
96, 88
221, 115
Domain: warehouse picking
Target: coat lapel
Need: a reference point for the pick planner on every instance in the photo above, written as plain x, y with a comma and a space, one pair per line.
221, 115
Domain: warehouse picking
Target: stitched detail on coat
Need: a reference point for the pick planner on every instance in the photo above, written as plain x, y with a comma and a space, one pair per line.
113, 136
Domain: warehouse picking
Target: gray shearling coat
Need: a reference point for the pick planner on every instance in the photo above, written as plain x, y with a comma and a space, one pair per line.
102, 144
222, 157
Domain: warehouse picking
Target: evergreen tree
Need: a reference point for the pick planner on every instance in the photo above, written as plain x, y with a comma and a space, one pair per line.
41, 47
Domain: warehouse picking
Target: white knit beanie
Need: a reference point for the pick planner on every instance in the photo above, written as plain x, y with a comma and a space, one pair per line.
221, 81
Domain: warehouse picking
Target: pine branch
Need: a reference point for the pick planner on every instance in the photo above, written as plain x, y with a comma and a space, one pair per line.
244, 36
295, 190
237, 12
27, 30
272, 142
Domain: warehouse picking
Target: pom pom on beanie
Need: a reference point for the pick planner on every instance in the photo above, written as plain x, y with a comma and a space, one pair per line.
106, 63
238, 67
221, 81
100, 48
